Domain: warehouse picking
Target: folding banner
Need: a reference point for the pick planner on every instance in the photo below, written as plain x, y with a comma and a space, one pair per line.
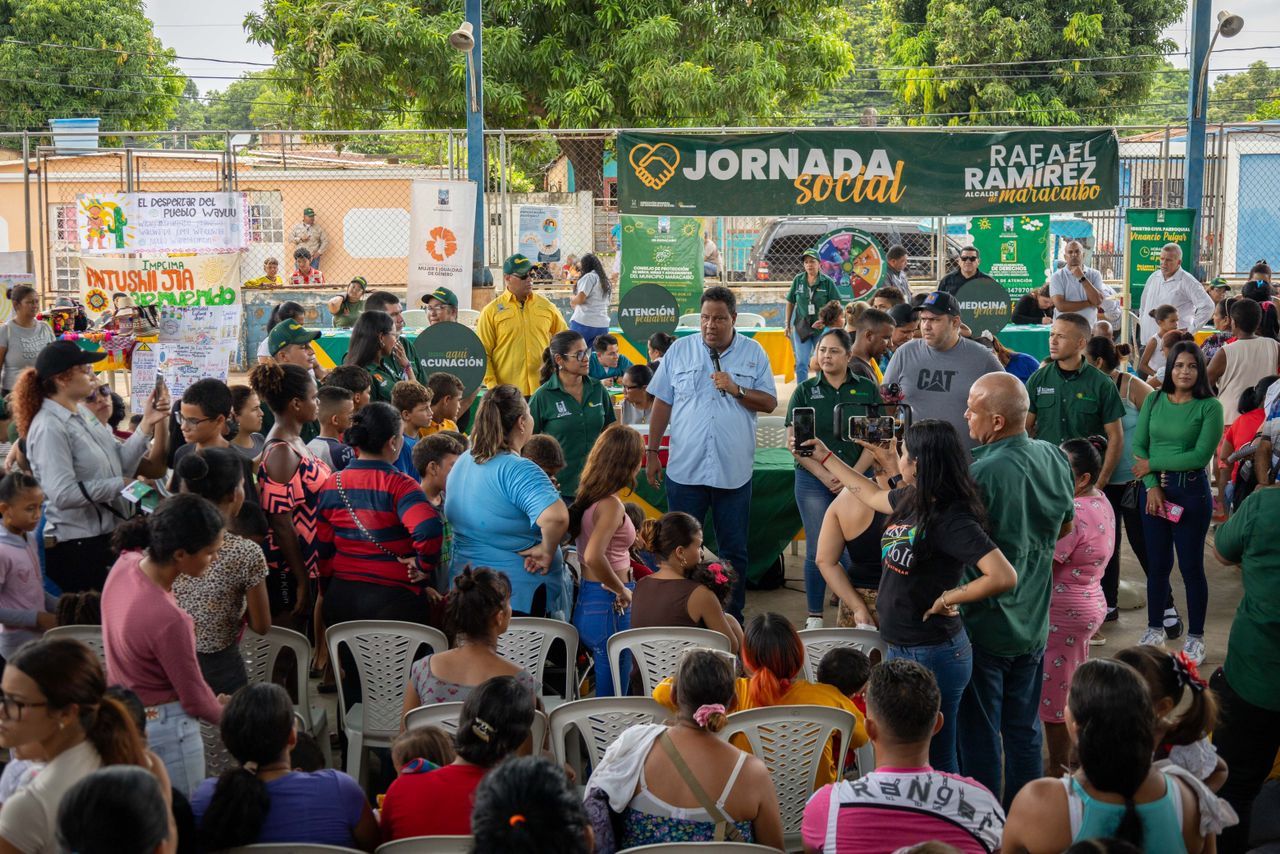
1014, 249
664, 251
442, 221
190, 280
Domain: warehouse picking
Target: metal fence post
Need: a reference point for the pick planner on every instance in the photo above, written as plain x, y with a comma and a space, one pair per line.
26, 199
1164, 169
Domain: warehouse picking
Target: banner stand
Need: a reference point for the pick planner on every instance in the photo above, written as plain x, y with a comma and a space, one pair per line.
1127, 310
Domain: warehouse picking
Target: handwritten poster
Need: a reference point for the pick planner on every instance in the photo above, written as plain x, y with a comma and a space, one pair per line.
143, 376
161, 222
177, 280
202, 324
182, 364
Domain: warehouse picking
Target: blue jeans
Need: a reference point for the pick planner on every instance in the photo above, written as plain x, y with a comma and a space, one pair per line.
589, 333
596, 622
804, 352
813, 498
174, 736
1187, 538
951, 663
730, 512
999, 716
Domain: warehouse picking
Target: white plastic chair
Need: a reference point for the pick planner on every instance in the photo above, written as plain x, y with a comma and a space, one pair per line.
599, 720
383, 650
818, 642
750, 320
428, 845
700, 848
445, 716
260, 653
216, 757
527, 642
656, 651
90, 636
468, 317
690, 321
416, 318
790, 740
291, 848
771, 431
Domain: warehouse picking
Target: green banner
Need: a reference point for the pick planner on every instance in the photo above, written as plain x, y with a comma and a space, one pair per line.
984, 305
453, 349
1014, 250
844, 172
664, 251
1149, 230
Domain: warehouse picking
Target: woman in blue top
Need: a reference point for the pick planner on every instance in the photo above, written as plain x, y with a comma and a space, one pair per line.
1117, 792
504, 511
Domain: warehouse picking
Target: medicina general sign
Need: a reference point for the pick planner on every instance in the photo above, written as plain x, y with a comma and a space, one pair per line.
869, 173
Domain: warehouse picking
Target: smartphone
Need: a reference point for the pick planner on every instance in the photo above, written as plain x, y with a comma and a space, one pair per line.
160, 388
803, 421
1171, 511
142, 494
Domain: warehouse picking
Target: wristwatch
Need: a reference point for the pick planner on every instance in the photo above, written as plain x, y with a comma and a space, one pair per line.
739, 394
1084, 280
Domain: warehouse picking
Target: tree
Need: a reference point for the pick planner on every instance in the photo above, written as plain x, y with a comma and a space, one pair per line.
125, 76
1091, 59
1235, 97
1166, 101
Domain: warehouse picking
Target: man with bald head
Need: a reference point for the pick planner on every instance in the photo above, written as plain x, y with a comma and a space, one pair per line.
1172, 285
1028, 490
1075, 287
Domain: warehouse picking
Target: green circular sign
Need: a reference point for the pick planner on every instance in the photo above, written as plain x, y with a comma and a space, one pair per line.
453, 349
984, 305
646, 309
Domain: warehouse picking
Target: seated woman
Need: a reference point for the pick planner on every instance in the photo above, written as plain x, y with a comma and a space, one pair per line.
265, 800
496, 720
773, 654
477, 613
116, 810
527, 804
656, 798
637, 403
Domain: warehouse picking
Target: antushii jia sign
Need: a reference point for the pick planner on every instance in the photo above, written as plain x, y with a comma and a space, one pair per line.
868, 173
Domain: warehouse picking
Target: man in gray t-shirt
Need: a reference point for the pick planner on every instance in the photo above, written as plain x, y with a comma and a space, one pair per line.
936, 371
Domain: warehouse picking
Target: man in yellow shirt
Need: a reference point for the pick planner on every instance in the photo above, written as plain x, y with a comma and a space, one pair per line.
516, 327
270, 278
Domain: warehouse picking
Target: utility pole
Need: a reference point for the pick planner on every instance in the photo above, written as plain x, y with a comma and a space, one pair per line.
475, 137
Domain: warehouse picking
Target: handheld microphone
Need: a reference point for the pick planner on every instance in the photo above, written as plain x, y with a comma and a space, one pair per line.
715, 363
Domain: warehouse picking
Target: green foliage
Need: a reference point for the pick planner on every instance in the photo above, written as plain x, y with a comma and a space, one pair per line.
131, 85
1268, 111
1243, 94
1166, 100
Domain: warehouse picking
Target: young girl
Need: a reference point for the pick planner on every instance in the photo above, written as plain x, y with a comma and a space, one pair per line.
248, 440
719, 578
1221, 323
26, 609
1153, 355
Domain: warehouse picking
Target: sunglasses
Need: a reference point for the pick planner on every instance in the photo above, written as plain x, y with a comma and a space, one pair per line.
968, 257
103, 391
523, 278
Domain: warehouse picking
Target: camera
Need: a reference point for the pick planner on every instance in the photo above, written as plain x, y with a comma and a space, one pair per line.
876, 429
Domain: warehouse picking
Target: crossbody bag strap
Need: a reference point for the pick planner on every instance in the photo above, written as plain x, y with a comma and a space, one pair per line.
725, 828
354, 518
98, 505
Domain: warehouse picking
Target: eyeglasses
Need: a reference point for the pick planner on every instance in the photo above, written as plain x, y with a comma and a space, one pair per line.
626, 387
968, 257
100, 391
193, 422
581, 355
13, 709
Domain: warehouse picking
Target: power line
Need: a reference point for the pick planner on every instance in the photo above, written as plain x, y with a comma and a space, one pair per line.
855, 76
135, 53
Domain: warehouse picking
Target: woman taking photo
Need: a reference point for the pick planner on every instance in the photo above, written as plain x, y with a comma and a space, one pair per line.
934, 528
590, 300
289, 481
378, 537
22, 337
373, 339
347, 307
637, 403
570, 406
604, 535
834, 384
265, 800
518, 526
1178, 431
236, 581
150, 641
53, 696
79, 463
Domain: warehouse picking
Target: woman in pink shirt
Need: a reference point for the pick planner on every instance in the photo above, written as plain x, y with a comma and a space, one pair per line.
150, 641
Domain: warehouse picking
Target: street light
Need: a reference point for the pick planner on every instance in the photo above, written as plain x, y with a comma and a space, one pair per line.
467, 39
1229, 26
462, 39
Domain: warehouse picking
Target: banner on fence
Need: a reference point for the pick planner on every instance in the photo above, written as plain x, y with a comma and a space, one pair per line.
201, 324
540, 231
185, 280
442, 224
1014, 250
664, 251
868, 172
1148, 230
161, 222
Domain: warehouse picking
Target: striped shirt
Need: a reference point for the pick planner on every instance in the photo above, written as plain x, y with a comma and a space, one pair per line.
393, 509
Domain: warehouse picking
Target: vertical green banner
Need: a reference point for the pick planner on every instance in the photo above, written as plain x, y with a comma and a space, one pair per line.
664, 251
1149, 230
1014, 250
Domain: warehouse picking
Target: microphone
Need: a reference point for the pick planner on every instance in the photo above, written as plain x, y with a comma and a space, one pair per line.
715, 363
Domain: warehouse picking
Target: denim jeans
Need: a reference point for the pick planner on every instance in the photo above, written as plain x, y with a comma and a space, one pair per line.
174, 736
1187, 537
951, 663
589, 333
730, 512
804, 352
1000, 719
813, 498
596, 622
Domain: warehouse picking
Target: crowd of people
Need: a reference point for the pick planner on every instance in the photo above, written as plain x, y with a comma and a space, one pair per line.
978, 534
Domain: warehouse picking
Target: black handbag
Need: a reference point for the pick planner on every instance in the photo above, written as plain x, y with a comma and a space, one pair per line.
1129, 499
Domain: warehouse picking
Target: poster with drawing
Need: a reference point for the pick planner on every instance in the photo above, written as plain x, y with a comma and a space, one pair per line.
142, 380
540, 232
161, 222
202, 324
182, 364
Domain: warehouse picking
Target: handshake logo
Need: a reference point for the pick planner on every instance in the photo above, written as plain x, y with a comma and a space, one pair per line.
654, 165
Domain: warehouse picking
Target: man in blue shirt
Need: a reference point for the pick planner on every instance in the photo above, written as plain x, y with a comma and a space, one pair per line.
709, 388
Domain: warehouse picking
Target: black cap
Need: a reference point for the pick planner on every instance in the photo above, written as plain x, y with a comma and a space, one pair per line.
902, 314
63, 356
939, 302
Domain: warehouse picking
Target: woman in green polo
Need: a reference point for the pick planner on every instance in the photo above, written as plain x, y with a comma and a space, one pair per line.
346, 308
810, 291
569, 405
372, 340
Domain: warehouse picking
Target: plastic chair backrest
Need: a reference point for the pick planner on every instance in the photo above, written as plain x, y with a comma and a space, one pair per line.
656, 651
445, 716
416, 318
690, 320
818, 642
428, 845
383, 650
750, 320
261, 652
90, 636
468, 317
600, 720
527, 642
771, 431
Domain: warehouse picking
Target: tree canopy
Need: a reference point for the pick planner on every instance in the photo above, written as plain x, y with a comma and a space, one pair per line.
1236, 97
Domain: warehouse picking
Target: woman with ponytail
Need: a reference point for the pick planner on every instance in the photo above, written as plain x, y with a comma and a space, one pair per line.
569, 405
1117, 792
265, 800
54, 698
22, 337
527, 806
150, 642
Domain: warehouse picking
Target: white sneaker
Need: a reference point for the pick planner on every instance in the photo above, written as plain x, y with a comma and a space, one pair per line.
1194, 649
813, 623
1153, 637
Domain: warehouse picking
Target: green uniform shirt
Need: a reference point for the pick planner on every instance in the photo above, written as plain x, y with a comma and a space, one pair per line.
824, 399
384, 379
420, 373
574, 425
808, 299
346, 316
1253, 648
1028, 490
1072, 404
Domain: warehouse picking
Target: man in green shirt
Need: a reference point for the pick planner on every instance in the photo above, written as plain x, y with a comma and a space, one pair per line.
290, 344
1071, 399
575, 425
810, 291
1028, 490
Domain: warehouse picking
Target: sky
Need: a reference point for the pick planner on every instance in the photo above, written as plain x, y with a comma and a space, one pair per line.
214, 29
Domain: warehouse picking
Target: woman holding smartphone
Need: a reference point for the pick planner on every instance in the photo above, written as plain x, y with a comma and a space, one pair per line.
1178, 431
812, 414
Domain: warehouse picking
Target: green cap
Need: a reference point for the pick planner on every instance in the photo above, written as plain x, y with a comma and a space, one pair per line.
516, 265
308, 211
1220, 282
810, 253
444, 295
288, 332
360, 280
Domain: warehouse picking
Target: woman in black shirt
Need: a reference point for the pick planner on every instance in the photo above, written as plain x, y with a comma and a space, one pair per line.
934, 528
1035, 307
